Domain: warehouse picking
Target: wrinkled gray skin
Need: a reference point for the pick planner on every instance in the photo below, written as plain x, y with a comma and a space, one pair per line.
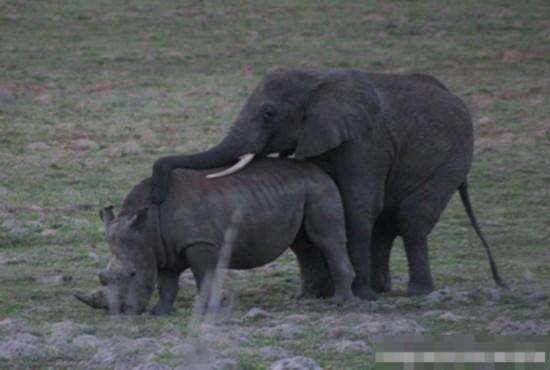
129, 279
282, 203
397, 146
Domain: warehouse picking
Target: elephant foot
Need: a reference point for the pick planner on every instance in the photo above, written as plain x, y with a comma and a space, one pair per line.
338, 300
342, 296
381, 284
419, 289
160, 310
364, 292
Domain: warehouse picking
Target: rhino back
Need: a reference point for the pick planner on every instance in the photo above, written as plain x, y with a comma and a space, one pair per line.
270, 194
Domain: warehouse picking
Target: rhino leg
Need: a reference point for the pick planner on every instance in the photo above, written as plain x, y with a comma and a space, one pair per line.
168, 289
203, 260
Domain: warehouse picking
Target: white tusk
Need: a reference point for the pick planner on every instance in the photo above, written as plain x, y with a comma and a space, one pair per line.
243, 161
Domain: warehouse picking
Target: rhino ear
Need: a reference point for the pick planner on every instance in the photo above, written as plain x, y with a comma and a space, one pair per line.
139, 218
106, 215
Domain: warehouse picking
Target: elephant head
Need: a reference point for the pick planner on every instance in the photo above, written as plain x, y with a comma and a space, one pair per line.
129, 279
304, 112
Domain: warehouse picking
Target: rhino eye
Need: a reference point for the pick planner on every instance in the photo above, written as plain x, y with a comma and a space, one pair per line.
132, 274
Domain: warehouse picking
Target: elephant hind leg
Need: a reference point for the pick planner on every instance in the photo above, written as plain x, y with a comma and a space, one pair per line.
415, 223
420, 277
417, 215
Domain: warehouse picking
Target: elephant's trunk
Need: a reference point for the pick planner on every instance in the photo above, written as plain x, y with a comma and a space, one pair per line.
229, 149
96, 299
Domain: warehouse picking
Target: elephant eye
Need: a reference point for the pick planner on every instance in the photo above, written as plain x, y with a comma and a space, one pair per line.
132, 274
269, 112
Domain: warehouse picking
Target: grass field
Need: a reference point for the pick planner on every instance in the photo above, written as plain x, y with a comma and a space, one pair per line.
92, 92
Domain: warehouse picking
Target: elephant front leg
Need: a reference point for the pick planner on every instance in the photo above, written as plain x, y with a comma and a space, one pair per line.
168, 289
360, 179
359, 248
380, 267
359, 225
361, 207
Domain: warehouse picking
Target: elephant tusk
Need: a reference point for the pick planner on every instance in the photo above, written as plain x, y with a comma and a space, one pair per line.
243, 161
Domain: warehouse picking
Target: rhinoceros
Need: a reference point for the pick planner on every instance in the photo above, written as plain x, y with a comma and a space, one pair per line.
281, 203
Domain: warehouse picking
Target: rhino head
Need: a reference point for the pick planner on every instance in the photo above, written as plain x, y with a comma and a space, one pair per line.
129, 279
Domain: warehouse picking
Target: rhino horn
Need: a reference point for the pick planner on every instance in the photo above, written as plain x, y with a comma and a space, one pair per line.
95, 299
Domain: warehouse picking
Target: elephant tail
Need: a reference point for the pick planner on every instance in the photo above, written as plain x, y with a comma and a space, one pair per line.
463, 190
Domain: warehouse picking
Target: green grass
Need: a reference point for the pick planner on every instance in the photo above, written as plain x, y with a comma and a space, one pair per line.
171, 76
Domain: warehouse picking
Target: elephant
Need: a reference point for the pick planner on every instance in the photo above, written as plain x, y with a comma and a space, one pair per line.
397, 146
268, 207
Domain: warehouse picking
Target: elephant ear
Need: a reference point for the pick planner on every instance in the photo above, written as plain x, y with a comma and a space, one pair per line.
340, 109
